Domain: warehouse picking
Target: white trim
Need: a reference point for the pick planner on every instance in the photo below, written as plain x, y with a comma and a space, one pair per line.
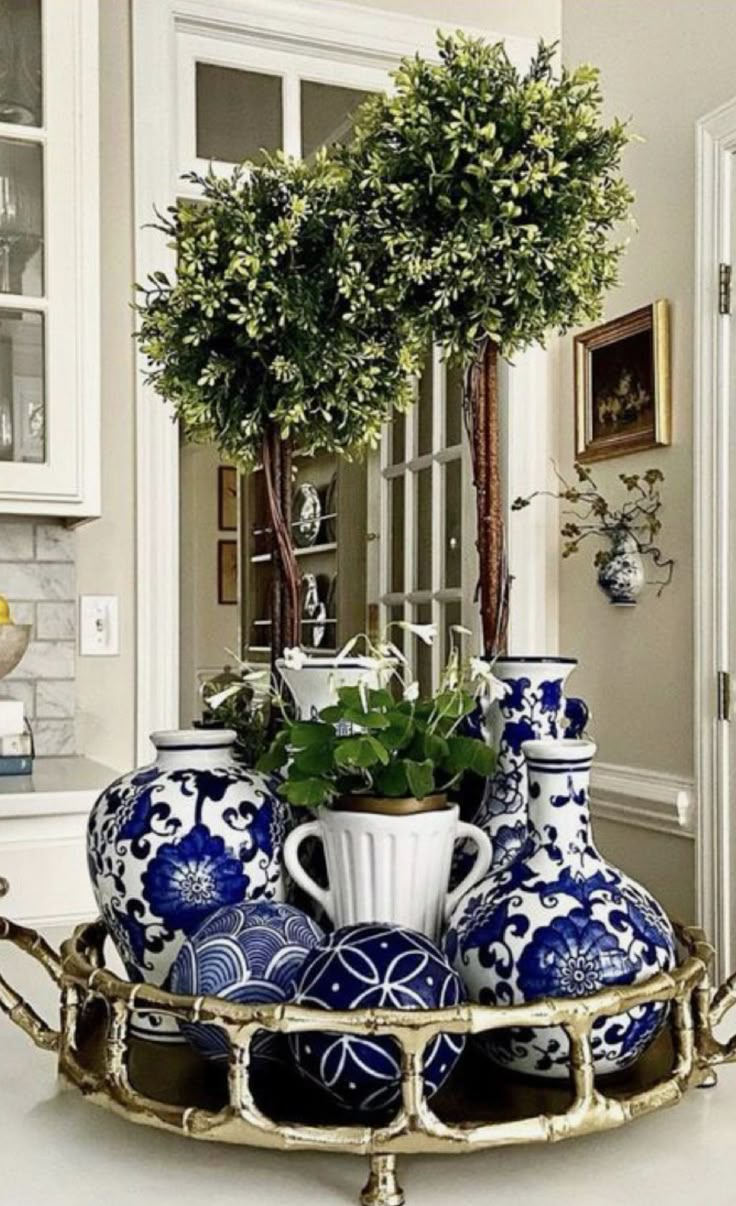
646, 799
716, 146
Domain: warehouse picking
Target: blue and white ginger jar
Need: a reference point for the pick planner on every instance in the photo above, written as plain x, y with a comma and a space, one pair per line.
252, 954
383, 967
534, 707
561, 922
170, 844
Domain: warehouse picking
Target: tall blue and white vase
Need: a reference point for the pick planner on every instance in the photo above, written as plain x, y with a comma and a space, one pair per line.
535, 707
561, 922
171, 843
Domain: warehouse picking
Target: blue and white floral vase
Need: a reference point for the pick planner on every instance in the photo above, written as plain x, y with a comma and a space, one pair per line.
171, 843
534, 707
621, 575
561, 922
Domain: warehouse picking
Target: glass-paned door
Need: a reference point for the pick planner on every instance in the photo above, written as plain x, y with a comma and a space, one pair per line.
22, 283
427, 559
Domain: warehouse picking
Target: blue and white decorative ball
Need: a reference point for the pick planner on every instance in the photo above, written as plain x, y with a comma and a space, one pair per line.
251, 954
381, 967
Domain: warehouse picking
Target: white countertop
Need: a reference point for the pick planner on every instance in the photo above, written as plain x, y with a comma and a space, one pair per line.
57, 1149
57, 785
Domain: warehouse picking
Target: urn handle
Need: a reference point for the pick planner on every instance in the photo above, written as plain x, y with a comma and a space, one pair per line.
480, 867
577, 715
302, 878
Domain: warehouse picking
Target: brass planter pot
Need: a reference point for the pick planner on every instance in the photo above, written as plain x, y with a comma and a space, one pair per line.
386, 806
173, 1089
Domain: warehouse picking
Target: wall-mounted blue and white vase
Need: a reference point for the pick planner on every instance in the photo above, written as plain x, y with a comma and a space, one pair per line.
561, 922
171, 843
621, 575
535, 707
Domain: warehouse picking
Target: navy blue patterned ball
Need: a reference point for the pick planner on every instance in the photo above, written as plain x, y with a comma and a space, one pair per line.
382, 967
250, 953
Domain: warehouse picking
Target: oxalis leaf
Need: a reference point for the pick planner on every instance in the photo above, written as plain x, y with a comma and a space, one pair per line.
308, 793
469, 754
364, 751
420, 777
306, 734
392, 780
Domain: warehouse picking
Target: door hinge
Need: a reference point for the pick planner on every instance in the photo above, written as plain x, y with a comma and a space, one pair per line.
724, 288
724, 695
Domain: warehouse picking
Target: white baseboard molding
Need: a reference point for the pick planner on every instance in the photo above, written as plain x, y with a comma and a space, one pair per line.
646, 799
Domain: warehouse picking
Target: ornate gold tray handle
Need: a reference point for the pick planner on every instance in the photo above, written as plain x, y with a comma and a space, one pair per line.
83, 980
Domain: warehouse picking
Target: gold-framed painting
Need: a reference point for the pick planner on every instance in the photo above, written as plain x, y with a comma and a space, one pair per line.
227, 571
622, 385
227, 498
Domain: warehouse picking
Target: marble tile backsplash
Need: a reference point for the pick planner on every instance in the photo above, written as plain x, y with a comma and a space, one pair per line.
38, 577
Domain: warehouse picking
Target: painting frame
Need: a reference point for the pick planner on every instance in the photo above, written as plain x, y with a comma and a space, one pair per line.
600, 353
227, 498
227, 572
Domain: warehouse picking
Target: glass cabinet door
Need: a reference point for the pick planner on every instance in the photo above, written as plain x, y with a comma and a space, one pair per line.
22, 353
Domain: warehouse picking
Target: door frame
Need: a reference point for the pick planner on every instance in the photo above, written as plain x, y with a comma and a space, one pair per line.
343, 32
713, 565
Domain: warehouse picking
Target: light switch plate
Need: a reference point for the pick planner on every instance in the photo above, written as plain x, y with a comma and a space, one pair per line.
99, 634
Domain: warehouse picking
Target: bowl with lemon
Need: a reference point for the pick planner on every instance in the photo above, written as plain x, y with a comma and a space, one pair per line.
14, 639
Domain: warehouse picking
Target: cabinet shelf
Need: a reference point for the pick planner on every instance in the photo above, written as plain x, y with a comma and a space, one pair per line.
311, 550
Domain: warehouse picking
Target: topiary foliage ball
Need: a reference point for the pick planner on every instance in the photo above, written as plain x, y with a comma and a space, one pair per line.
251, 954
380, 966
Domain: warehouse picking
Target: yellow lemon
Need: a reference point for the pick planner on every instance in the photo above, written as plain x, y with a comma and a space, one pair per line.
5, 617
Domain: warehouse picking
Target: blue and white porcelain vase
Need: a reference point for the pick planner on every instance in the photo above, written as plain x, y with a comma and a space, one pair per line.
561, 922
374, 967
170, 844
621, 576
535, 706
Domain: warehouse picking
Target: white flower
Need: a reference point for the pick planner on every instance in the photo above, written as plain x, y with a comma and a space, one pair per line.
460, 628
489, 686
411, 692
425, 632
214, 701
294, 657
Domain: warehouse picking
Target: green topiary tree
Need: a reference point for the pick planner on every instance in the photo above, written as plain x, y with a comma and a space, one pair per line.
488, 196
268, 341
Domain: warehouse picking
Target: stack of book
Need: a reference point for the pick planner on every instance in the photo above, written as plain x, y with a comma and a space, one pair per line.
16, 743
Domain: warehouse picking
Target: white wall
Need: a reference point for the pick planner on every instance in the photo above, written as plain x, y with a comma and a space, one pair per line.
106, 547
664, 63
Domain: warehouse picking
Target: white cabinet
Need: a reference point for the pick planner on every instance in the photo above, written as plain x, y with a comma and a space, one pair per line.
49, 258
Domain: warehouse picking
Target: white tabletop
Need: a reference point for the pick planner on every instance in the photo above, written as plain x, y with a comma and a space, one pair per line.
58, 1150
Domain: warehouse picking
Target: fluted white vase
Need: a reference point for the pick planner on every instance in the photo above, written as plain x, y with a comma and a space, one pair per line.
384, 868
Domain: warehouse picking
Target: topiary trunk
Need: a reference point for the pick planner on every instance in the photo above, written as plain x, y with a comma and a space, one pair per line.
285, 581
482, 422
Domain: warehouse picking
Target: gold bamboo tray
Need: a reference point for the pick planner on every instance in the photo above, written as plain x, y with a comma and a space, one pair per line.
172, 1088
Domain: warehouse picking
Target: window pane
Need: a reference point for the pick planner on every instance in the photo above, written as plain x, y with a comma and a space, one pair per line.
424, 410
422, 651
423, 568
326, 114
22, 405
20, 62
452, 617
239, 113
453, 522
395, 615
21, 217
398, 439
397, 533
453, 407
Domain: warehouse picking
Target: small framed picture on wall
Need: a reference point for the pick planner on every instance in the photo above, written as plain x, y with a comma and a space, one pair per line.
227, 498
227, 571
622, 385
